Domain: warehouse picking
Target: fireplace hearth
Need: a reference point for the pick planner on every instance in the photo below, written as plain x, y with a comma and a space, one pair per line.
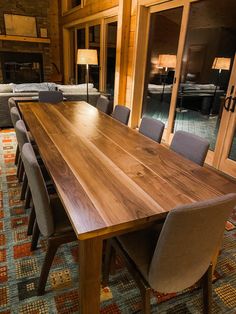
18, 67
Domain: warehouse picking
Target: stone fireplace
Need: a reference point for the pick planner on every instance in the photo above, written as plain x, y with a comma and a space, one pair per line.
23, 61
20, 67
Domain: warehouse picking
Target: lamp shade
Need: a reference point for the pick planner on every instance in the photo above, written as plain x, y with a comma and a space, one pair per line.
87, 56
221, 63
166, 61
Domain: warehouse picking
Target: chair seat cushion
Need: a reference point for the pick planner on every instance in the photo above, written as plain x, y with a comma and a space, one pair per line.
140, 246
61, 221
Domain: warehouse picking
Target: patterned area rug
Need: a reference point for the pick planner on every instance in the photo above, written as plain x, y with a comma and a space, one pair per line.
20, 268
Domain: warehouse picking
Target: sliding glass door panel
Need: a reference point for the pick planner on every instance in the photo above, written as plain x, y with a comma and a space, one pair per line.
164, 37
206, 66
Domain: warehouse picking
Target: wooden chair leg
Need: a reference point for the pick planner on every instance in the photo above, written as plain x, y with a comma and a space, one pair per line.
146, 295
27, 198
31, 221
24, 187
21, 172
108, 262
19, 166
51, 251
17, 155
53, 244
35, 237
207, 291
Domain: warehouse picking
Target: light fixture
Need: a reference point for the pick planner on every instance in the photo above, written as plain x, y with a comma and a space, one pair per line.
221, 64
87, 57
166, 61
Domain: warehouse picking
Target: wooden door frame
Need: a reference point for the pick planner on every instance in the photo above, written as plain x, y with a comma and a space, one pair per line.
227, 132
140, 58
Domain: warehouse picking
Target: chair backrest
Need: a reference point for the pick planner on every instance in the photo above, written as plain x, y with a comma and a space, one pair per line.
152, 128
38, 190
103, 104
15, 115
50, 96
21, 134
11, 103
190, 146
121, 113
189, 238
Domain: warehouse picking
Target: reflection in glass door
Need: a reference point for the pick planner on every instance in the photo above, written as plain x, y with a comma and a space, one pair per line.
94, 43
206, 66
161, 62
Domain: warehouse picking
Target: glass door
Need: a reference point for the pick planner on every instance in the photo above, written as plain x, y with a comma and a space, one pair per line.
81, 44
164, 34
94, 43
110, 57
206, 67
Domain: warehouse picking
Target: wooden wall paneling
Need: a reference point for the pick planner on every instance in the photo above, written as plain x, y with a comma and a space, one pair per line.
141, 43
90, 8
124, 15
67, 55
54, 33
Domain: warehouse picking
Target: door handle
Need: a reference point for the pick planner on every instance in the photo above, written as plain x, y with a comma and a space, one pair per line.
227, 103
233, 105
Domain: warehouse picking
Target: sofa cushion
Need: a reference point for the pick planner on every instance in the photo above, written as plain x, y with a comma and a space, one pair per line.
33, 87
5, 88
76, 88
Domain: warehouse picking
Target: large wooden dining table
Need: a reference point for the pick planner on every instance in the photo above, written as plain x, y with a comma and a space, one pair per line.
111, 180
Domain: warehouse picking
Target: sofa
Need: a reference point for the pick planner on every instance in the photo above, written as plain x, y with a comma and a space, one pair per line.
70, 92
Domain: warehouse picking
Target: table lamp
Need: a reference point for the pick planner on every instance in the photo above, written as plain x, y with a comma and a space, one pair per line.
166, 61
87, 57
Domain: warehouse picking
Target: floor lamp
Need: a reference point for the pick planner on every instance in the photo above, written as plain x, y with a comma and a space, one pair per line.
166, 61
87, 57
219, 64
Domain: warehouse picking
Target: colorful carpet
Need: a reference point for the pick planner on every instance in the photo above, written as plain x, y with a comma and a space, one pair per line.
20, 268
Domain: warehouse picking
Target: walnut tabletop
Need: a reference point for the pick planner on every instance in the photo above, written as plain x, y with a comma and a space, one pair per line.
111, 178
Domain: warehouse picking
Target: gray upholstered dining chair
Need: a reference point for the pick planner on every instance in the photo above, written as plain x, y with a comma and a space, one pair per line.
50, 96
180, 254
152, 128
121, 113
51, 219
15, 116
12, 104
190, 146
103, 104
22, 138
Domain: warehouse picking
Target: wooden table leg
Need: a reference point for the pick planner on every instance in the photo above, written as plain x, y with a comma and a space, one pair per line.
90, 263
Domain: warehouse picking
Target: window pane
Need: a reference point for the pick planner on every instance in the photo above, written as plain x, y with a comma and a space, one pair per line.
75, 3
111, 57
81, 45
